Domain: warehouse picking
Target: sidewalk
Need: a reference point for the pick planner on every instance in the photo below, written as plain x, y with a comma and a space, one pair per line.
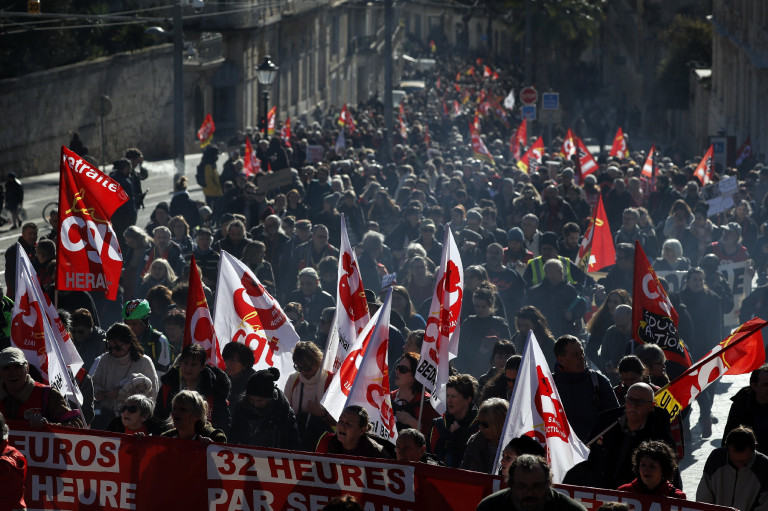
696, 455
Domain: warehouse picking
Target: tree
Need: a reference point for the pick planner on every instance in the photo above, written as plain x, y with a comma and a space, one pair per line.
690, 43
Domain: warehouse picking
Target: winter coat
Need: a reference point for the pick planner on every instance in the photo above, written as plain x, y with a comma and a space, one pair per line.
480, 454
274, 426
665, 489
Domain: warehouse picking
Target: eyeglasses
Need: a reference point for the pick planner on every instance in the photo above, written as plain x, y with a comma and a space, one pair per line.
484, 425
129, 409
636, 402
403, 369
302, 369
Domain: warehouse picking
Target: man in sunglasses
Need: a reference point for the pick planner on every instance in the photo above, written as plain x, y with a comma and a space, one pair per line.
23, 398
621, 431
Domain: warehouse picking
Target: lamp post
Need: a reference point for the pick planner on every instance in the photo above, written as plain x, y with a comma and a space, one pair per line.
266, 73
178, 84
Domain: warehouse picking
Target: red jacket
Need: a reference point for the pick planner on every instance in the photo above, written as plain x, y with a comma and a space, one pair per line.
13, 472
665, 489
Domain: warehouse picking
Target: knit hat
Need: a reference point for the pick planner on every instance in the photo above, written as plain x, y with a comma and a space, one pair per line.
262, 383
548, 238
136, 309
515, 234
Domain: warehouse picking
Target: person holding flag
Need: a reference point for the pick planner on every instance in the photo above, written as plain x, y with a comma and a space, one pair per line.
23, 398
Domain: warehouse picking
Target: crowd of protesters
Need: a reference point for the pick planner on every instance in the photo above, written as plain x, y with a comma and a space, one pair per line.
518, 233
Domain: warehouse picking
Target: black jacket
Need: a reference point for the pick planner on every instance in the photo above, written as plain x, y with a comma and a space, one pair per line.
275, 426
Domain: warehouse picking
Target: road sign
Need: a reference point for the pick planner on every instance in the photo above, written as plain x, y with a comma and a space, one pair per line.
529, 112
550, 101
529, 96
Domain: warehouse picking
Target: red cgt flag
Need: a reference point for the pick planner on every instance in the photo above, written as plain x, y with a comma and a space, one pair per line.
648, 168
654, 320
88, 256
531, 160
199, 326
346, 119
519, 139
596, 250
704, 170
569, 145
251, 163
271, 115
740, 353
205, 133
619, 148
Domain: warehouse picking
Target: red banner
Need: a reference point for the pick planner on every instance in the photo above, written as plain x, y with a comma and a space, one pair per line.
88, 256
740, 353
654, 320
72, 469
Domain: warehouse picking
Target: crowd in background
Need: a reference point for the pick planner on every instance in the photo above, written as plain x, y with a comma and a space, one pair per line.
518, 234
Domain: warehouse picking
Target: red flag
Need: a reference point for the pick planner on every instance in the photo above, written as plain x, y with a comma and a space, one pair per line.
426, 135
586, 160
285, 132
487, 73
649, 170
457, 86
744, 152
199, 325
251, 163
346, 120
704, 170
531, 160
519, 139
456, 108
494, 76
271, 120
619, 148
569, 145
458, 76
654, 320
596, 250
205, 133
438, 84
432, 46
741, 352
474, 126
88, 256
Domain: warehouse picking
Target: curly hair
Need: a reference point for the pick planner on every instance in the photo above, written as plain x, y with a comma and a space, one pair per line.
658, 452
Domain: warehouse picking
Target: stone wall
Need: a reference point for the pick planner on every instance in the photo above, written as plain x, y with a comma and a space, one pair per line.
42, 110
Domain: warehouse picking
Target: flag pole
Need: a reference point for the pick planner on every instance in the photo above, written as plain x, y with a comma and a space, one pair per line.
603, 432
421, 406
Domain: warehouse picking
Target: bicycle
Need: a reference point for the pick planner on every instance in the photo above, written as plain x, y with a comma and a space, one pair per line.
47, 210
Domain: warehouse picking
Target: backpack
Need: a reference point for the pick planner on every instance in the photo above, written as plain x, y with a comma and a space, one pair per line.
200, 174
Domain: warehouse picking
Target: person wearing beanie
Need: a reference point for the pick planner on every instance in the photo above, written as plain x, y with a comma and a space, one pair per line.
154, 343
262, 417
516, 256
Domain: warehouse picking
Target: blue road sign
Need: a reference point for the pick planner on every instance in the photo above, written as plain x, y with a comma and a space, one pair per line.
550, 100
529, 112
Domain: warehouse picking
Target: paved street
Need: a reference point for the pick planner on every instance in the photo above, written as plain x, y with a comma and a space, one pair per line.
42, 189
693, 466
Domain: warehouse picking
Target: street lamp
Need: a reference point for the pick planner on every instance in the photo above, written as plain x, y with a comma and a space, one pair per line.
266, 73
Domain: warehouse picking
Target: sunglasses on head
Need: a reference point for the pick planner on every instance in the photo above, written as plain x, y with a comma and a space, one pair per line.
130, 408
403, 369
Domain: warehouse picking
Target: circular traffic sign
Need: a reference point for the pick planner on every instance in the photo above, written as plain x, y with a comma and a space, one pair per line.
529, 95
